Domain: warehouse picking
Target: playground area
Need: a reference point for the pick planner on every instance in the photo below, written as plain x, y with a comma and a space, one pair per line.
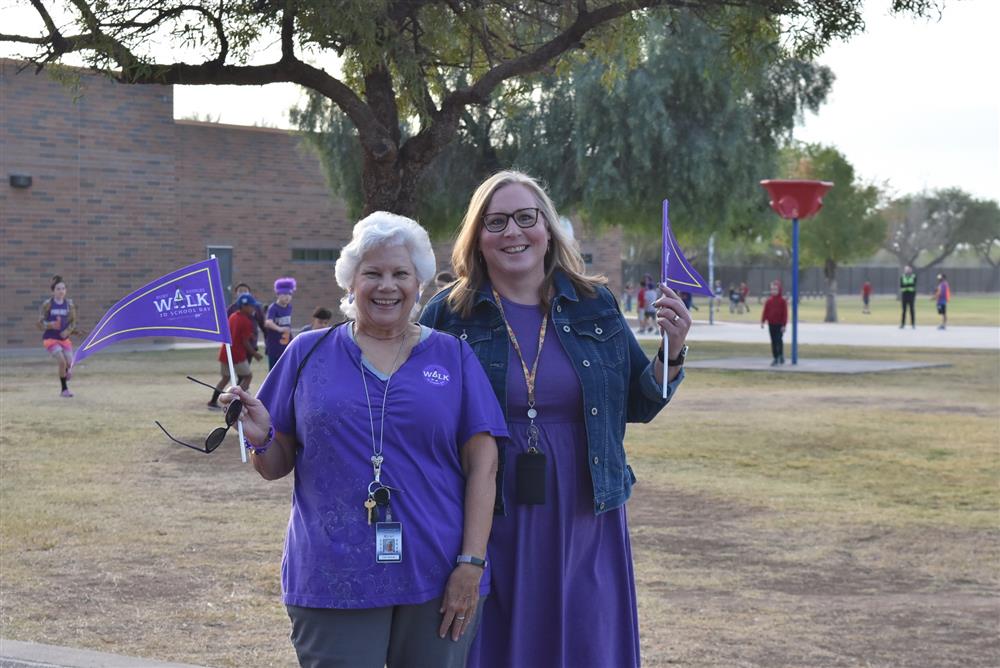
788, 520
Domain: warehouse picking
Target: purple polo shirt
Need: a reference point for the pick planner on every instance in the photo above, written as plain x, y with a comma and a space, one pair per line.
437, 400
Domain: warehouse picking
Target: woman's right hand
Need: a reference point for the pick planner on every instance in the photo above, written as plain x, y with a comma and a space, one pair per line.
256, 419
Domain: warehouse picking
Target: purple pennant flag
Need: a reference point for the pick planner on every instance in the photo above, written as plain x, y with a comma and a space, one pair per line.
187, 303
675, 270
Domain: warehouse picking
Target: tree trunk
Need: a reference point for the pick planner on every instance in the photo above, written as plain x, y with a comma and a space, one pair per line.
830, 272
381, 181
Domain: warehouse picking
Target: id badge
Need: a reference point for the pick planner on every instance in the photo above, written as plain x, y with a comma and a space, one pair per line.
529, 479
388, 542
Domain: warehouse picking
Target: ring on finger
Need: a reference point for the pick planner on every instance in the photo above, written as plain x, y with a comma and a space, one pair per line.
676, 317
460, 617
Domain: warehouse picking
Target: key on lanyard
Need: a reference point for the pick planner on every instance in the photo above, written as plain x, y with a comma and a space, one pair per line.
381, 497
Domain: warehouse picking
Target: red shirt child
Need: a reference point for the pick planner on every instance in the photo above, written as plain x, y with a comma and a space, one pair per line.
241, 331
775, 309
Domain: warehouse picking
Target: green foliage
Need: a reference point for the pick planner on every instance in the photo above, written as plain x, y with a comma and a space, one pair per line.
689, 123
849, 226
612, 138
411, 74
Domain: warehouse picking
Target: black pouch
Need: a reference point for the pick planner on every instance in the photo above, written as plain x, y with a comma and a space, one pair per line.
529, 479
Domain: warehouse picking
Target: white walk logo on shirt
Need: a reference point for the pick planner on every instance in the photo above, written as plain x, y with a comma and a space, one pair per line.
436, 375
182, 302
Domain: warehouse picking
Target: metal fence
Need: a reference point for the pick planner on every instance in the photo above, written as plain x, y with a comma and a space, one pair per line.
884, 280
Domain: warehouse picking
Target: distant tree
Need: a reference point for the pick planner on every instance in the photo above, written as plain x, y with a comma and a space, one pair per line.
937, 223
411, 68
984, 223
848, 227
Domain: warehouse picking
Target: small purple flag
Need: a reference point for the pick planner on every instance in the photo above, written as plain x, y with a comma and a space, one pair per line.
679, 275
188, 302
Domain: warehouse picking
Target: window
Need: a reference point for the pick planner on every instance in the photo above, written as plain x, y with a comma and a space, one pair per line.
588, 258
315, 254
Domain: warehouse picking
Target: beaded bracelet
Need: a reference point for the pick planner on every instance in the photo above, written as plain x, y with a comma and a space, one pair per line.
260, 449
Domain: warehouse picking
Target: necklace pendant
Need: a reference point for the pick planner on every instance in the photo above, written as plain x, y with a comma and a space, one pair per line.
377, 460
532, 413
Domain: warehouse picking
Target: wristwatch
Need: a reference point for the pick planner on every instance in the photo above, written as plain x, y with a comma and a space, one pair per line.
469, 559
677, 361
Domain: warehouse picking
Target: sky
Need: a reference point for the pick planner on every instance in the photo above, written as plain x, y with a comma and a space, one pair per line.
915, 105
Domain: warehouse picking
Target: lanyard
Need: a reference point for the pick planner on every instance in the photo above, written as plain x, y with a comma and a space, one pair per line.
377, 457
529, 376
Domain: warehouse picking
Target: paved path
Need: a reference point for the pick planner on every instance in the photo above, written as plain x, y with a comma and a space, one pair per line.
875, 336
17, 654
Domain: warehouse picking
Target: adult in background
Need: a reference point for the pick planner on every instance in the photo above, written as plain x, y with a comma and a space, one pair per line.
390, 428
57, 322
258, 316
866, 297
243, 348
775, 315
278, 324
569, 374
942, 295
908, 295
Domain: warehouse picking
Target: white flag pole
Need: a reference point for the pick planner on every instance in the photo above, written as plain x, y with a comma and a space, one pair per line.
665, 270
232, 381
666, 354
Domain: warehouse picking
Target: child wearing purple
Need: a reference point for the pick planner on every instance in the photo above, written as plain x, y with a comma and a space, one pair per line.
390, 428
58, 319
278, 324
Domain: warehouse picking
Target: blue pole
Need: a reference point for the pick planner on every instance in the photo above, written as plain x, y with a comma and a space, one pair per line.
795, 290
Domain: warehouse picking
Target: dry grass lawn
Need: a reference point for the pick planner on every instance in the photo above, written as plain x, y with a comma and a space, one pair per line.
792, 520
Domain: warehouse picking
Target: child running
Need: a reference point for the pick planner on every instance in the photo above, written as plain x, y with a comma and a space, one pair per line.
58, 319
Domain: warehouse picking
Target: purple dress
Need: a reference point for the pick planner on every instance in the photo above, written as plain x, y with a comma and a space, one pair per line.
563, 589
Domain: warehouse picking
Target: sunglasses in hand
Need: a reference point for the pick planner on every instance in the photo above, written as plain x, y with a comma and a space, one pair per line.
215, 438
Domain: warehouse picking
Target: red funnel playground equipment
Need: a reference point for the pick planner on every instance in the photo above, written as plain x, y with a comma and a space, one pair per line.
793, 199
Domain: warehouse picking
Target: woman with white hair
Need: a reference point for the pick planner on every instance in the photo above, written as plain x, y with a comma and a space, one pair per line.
390, 428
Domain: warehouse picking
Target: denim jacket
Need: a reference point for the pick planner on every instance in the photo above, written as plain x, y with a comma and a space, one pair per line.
615, 375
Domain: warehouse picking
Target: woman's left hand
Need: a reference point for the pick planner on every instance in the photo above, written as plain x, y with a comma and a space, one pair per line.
673, 318
461, 596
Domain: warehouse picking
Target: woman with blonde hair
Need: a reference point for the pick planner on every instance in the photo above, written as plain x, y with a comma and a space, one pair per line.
569, 374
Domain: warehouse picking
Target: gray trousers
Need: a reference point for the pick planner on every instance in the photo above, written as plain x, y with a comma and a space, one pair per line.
399, 636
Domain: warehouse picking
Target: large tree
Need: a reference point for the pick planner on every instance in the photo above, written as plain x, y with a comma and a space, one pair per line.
848, 227
411, 68
610, 139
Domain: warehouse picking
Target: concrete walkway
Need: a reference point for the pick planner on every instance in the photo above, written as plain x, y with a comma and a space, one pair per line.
833, 334
17, 654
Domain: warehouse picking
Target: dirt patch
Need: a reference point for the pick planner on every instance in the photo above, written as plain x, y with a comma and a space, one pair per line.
724, 585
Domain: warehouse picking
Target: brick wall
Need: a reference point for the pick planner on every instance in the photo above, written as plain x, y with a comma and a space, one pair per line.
122, 193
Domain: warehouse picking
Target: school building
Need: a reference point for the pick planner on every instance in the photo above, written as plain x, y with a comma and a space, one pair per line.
102, 186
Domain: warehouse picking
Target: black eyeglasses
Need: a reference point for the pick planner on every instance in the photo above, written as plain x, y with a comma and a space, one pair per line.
214, 439
497, 222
